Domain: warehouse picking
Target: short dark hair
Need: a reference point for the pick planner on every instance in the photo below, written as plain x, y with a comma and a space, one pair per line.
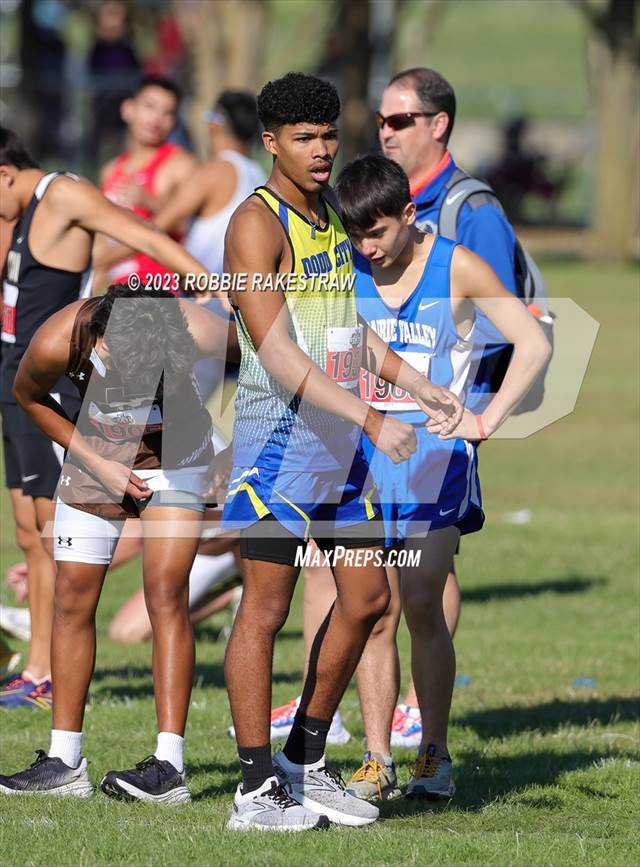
371, 187
297, 98
240, 109
433, 91
158, 81
13, 152
147, 334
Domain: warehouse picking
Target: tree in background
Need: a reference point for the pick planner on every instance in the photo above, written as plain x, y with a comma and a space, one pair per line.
346, 62
226, 41
614, 63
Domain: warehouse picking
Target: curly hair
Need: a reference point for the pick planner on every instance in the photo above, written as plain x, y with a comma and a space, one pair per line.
146, 334
297, 98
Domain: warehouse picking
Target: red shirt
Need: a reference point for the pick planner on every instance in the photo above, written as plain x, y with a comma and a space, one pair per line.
144, 177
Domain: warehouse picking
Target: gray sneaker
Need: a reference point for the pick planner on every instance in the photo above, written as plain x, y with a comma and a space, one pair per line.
320, 789
375, 780
48, 776
271, 808
432, 777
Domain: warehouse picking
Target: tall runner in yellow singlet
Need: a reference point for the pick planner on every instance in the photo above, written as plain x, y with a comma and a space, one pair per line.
298, 471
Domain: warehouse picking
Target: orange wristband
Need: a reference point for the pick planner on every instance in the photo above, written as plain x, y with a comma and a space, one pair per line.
480, 426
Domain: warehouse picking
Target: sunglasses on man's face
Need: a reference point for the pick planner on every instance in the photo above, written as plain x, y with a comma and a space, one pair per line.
403, 120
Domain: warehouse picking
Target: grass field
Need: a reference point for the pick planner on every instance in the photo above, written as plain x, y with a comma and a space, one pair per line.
547, 772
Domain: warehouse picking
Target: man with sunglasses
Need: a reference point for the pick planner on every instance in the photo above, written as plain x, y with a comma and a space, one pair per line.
414, 123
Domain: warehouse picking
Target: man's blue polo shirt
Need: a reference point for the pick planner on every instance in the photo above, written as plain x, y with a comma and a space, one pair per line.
484, 230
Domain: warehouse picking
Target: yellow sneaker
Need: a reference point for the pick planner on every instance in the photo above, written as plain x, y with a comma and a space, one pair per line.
375, 780
432, 777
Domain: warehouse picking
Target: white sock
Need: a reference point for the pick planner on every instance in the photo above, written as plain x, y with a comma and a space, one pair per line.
207, 572
171, 749
66, 746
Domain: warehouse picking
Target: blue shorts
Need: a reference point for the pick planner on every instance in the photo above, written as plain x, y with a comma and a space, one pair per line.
310, 504
437, 487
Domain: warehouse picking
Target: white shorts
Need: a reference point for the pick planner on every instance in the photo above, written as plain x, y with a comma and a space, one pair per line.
83, 538
80, 537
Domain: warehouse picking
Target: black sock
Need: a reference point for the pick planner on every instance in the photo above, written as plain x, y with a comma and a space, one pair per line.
307, 740
256, 766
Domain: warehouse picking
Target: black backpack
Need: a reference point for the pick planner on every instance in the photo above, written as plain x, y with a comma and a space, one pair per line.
530, 285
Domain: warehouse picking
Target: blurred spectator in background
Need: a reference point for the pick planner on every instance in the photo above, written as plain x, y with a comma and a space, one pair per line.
520, 171
113, 68
217, 187
211, 195
42, 56
145, 176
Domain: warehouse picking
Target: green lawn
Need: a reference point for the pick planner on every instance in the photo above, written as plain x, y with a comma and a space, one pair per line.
547, 773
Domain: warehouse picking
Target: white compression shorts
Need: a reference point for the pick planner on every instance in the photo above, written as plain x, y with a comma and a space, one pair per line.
80, 537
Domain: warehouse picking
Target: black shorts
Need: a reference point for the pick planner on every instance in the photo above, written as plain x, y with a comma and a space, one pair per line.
279, 545
32, 462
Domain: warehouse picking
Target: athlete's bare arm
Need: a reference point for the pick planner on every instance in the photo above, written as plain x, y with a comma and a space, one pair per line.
186, 202
84, 206
42, 365
206, 191
172, 176
473, 281
256, 245
213, 335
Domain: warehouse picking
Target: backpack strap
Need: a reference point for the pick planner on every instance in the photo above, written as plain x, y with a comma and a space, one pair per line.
460, 188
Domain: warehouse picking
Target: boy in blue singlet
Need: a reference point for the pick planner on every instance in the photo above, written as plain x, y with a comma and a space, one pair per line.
419, 293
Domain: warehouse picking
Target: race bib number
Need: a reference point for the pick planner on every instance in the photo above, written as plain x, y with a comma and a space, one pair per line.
126, 424
344, 355
9, 302
383, 395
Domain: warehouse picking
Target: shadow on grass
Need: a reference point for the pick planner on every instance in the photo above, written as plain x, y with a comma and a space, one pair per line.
548, 717
229, 770
481, 782
207, 632
138, 679
561, 586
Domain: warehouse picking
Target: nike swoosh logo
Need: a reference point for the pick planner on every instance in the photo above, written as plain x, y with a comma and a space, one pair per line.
30, 478
423, 306
447, 512
308, 731
247, 761
455, 196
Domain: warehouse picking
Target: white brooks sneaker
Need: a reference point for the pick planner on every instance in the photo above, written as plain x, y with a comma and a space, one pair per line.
271, 808
16, 622
319, 789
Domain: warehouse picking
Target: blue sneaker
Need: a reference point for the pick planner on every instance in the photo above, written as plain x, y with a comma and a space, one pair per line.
15, 688
37, 697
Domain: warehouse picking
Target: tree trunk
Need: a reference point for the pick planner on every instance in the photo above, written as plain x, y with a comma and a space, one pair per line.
346, 59
617, 188
614, 65
225, 39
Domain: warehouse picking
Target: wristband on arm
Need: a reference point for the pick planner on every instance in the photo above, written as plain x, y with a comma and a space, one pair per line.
480, 426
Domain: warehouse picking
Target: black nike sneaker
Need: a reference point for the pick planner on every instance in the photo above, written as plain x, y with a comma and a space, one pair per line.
48, 776
151, 780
